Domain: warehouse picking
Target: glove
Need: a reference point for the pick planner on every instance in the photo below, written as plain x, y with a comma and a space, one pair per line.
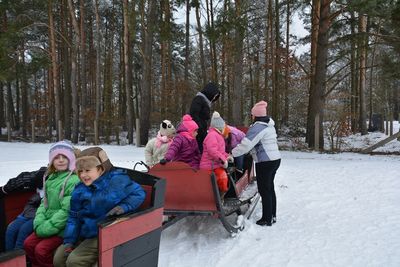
230, 159
117, 210
163, 161
225, 164
13, 185
68, 248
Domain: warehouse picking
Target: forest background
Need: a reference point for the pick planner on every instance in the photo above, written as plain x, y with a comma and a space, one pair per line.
89, 70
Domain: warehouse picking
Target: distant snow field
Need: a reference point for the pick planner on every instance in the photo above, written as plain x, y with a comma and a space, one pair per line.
333, 210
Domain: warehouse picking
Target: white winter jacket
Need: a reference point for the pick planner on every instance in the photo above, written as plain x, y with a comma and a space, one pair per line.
153, 153
260, 141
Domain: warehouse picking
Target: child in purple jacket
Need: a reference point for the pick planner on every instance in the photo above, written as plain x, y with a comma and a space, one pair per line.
184, 147
233, 136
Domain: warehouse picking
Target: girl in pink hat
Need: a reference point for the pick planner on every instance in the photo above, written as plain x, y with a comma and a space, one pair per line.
184, 145
51, 216
261, 142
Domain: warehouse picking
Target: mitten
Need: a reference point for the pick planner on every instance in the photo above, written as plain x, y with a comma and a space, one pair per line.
225, 164
163, 161
68, 248
117, 210
13, 185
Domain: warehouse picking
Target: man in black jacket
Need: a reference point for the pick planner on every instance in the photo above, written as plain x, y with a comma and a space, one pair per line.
200, 110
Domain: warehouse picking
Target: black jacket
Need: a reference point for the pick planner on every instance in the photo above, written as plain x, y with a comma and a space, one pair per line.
201, 112
25, 181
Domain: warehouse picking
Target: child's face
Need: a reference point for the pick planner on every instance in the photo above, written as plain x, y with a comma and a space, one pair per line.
60, 163
90, 175
194, 134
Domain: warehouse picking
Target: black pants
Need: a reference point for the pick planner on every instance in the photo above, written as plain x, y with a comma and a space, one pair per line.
265, 172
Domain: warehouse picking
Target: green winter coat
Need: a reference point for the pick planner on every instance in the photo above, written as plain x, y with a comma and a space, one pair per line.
51, 221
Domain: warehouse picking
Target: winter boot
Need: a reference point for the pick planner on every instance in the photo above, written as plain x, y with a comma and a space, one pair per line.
264, 222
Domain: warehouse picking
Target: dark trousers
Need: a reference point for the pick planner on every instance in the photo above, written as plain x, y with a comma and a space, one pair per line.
201, 135
17, 231
40, 250
265, 172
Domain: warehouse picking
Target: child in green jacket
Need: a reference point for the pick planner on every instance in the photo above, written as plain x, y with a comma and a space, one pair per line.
52, 214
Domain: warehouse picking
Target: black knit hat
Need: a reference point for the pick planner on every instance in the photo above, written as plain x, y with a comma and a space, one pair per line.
211, 91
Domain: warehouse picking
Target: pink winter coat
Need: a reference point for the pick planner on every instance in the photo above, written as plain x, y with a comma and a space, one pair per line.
214, 153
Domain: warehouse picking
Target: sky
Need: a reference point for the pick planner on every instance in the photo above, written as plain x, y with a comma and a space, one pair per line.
333, 210
296, 28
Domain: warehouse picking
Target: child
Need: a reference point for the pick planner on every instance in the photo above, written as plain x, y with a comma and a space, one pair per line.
233, 136
19, 229
200, 110
261, 141
184, 146
214, 156
158, 146
103, 191
51, 216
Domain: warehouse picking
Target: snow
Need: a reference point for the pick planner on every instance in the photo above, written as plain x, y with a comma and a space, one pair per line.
333, 210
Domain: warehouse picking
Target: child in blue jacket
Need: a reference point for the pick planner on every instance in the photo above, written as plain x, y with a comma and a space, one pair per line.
103, 191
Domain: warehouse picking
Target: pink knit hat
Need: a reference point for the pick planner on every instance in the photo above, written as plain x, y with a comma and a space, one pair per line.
189, 123
64, 148
259, 109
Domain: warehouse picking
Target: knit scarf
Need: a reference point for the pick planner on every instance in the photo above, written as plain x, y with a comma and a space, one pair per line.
162, 139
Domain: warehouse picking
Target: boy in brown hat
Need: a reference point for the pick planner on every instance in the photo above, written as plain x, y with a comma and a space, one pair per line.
103, 191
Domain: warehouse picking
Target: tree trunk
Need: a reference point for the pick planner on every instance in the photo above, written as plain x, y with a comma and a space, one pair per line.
238, 64
54, 64
362, 78
10, 106
321, 67
18, 101
271, 46
66, 71
147, 74
312, 92
108, 77
213, 46
98, 80
2, 113
83, 72
74, 73
354, 88
186, 86
276, 70
129, 102
201, 45
24, 94
285, 119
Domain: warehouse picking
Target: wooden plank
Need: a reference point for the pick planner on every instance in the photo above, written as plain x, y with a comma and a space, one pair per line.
380, 143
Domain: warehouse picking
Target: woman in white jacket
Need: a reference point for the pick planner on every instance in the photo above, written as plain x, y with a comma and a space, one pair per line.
261, 141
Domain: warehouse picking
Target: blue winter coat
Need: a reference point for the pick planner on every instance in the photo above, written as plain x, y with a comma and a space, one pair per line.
90, 204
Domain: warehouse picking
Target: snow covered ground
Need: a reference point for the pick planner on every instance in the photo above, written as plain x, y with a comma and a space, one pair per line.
333, 210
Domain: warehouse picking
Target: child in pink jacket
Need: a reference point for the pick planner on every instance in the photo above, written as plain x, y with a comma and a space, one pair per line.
214, 156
